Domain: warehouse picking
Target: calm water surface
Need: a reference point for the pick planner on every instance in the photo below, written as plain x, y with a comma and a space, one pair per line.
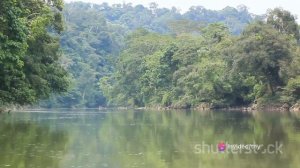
146, 139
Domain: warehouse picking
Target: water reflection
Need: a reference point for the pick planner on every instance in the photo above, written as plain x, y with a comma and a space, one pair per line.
148, 139
27, 144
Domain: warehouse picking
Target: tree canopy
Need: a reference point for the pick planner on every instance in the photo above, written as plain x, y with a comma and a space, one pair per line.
29, 51
143, 56
96, 34
210, 66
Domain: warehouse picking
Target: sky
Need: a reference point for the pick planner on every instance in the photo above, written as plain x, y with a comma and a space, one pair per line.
255, 6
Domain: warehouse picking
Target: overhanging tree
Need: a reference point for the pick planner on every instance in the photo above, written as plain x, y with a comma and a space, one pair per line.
29, 50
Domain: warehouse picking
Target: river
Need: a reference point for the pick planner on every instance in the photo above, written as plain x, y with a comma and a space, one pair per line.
149, 139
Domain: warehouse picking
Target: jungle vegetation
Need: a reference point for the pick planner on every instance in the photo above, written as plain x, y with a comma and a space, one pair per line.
87, 55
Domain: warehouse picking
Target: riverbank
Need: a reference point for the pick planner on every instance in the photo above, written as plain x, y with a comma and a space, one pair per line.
253, 107
201, 107
12, 108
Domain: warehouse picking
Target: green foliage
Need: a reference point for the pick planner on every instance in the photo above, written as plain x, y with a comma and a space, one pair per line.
96, 34
259, 52
158, 57
162, 70
210, 66
134, 69
284, 22
162, 20
90, 45
29, 68
145, 56
184, 26
293, 88
235, 19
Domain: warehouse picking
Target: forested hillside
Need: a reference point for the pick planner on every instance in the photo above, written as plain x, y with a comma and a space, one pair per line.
95, 35
208, 67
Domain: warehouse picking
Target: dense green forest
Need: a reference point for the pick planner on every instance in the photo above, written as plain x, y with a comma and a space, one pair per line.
209, 66
262, 64
88, 55
95, 35
29, 51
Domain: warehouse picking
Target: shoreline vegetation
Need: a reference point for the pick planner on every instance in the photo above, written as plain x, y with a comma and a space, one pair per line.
210, 68
107, 56
275, 107
30, 67
254, 107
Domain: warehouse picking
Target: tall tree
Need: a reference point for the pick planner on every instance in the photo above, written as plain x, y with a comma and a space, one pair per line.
29, 50
259, 52
284, 22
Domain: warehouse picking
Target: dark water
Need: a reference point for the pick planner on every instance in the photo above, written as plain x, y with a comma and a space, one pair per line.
147, 139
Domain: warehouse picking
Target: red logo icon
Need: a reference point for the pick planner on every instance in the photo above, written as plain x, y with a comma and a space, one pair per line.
222, 146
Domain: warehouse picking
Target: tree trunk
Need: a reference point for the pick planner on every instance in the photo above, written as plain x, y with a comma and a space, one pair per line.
271, 89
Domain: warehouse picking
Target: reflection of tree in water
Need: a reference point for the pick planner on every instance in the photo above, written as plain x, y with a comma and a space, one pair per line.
29, 145
155, 139
147, 139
